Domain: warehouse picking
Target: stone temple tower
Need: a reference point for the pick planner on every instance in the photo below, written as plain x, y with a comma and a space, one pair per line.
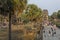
45, 17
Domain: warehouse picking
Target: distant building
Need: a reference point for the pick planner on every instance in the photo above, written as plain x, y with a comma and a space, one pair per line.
45, 17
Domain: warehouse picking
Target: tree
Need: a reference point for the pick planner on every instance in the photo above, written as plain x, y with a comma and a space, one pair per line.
6, 6
56, 16
33, 12
13, 5
6, 9
24, 18
19, 6
34, 15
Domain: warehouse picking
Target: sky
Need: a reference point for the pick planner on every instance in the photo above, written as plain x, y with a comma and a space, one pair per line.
50, 5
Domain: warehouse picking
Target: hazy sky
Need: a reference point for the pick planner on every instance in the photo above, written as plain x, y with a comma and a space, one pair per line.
50, 5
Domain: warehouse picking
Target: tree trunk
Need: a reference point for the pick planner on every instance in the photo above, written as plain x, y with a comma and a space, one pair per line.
10, 26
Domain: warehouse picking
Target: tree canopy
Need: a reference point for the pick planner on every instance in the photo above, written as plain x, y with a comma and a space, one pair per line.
55, 18
7, 6
32, 12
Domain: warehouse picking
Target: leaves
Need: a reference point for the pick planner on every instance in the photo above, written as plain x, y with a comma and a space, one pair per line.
58, 14
11, 5
6, 7
55, 18
33, 11
19, 4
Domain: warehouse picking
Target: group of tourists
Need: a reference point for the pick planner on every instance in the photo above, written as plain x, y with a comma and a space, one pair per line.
51, 30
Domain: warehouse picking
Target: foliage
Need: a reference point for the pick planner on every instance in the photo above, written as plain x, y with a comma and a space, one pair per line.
32, 12
58, 24
20, 5
6, 6
58, 14
54, 15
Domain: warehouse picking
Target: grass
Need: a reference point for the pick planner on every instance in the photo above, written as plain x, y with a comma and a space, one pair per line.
18, 33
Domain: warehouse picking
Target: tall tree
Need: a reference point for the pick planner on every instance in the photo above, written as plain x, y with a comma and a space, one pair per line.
33, 12
5, 7
14, 5
8, 7
19, 6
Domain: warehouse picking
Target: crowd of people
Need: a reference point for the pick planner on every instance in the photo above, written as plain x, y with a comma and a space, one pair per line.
51, 30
